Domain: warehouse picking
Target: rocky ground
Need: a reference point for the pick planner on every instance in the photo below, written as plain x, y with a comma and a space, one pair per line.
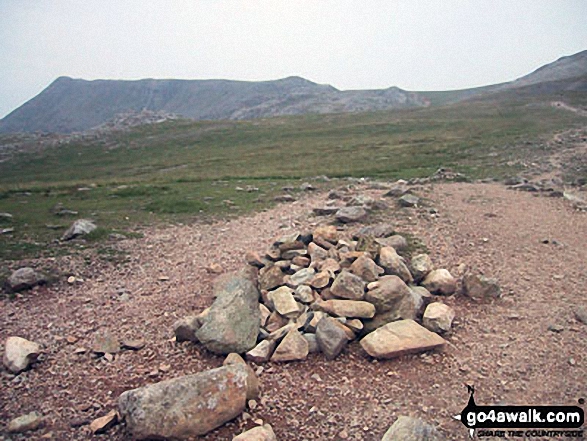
525, 348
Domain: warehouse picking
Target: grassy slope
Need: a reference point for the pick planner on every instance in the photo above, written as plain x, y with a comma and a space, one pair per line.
173, 169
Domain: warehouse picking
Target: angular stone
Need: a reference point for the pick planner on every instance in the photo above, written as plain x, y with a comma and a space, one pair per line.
301, 261
102, 424
348, 286
19, 353
581, 314
265, 314
378, 230
233, 323
133, 344
330, 265
348, 215
24, 278
327, 232
438, 317
421, 265
80, 227
313, 347
311, 326
252, 380
479, 287
259, 433
302, 277
440, 282
320, 280
316, 252
304, 294
412, 429
400, 338
325, 210
271, 278
394, 264
330, 337
348, 308
293, 347
25, 423
185, 407
366, 269
283, 302
275, 321
262, 352
277, 335
253, 259
355, 325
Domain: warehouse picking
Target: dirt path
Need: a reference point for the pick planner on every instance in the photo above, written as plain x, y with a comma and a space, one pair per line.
565, 106
505, 348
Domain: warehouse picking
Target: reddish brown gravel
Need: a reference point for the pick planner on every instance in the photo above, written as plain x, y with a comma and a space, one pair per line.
504, 348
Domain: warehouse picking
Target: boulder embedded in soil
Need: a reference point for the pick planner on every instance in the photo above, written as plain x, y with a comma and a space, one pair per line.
187, 406
480, 288
438, 317
400, 338
80, 227
19, 353
233, 323
25, 423
412, 429
440, 282
24, 278
348, 215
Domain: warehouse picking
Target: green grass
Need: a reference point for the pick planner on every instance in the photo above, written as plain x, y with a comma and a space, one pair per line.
179, 171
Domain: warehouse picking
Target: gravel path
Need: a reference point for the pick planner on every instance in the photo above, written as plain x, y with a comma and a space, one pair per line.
504, 348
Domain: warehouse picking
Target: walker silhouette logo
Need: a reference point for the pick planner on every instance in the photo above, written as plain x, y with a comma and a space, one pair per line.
554, 418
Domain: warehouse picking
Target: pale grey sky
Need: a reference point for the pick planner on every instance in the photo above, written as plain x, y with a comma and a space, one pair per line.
351, 44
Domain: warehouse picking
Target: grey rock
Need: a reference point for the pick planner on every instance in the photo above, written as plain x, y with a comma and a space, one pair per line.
301, 277
387, 293
397, 242
80, 227
283, 302
581, 314
106, 343
348, 215
25, 423
479, 287
420, 266
378, 231
331, 337
233, 323
348, 286
412, 429
440, 282
24, 278
185, 328
19, 353
394, 264
409, 200
313, 347
187, 406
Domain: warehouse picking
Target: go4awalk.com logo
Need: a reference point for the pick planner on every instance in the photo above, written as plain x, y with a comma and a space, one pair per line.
522, 421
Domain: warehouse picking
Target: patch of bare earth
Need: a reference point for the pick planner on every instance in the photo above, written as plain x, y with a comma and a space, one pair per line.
504, 348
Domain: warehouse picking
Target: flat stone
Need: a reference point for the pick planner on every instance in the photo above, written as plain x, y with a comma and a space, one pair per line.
80, 227
409, 200
302, 277
581, 314
262, 352
400, 338
133, 344
313, 347
348, 308
102, 424
304, 294
397, 242
284, 303
316, 252
25, 423
19, 353
252, 380
348, 286
106, 343
348, 215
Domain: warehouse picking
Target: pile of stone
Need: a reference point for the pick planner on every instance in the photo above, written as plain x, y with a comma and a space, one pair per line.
316, 292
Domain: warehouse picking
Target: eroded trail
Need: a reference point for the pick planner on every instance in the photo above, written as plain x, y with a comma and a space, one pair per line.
504, 348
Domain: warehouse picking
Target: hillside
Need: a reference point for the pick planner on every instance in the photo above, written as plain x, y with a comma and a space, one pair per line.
71, 105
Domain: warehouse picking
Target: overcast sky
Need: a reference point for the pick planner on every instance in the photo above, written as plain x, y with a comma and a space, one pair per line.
351, 44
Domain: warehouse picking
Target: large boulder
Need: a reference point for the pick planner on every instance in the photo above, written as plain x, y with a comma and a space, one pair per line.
479, 287
440, 282
399, 338
185, 407
412, 429
233, 323
19, 353
80, 227
24, 278
394, 264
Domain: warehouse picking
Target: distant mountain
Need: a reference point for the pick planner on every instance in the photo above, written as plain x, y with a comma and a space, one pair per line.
70, 105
